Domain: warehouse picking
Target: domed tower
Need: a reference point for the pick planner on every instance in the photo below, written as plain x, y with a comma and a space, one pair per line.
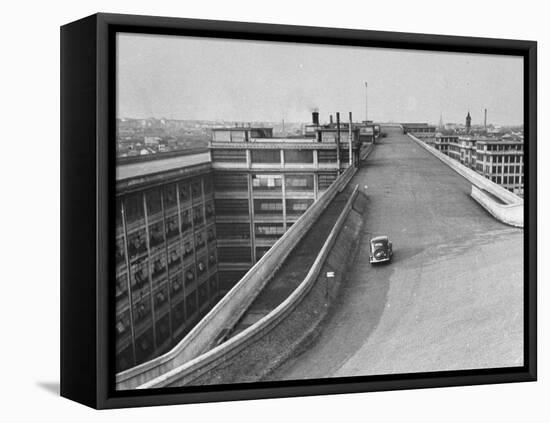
468, 122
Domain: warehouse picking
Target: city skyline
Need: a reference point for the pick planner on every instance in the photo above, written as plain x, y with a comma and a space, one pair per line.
187, 78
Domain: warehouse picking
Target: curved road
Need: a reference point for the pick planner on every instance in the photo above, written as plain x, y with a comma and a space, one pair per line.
452, 298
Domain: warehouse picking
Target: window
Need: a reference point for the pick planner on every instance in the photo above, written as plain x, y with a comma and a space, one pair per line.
174, 256
298, 156
187, 250
234, 254
133, 206
297, 207
161, 297
197, 215
142, 310
120, 256
203, 294
299, 182
230, 207
201, 265
121, 288
139, 276
191, 305
209, 210
229, 156
158, 267
269, 230
172, 229
233, 230
266, 156
210, 234
170, 199
156, 235
176, 284
178, 314
200, 240
154, 206
163, 329
144, 346
185, 220
267, 182
184, 194
230, 181
189, 275
268, 206
137, 244
196, 190
326, 179
327, 156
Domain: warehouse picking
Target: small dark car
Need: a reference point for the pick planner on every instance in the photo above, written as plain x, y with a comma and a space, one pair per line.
381, 249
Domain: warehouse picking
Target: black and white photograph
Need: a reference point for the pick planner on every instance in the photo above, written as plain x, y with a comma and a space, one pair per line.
289, 211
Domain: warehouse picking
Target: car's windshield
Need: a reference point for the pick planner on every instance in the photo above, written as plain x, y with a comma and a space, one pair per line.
378, 244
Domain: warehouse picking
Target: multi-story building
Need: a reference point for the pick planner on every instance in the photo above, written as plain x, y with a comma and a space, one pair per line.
264, 184
497, 159
447, 143
501, 162
166, 255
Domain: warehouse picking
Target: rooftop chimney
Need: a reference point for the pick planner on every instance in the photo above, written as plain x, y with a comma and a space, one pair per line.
315, 117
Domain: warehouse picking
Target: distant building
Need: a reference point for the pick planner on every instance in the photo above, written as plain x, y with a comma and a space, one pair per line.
444, 141
468, 123
498, 159
420, 130
502, 162
151, 141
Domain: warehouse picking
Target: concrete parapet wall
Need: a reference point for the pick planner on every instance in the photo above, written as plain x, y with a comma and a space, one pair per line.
235, 359
511, 214
192, 352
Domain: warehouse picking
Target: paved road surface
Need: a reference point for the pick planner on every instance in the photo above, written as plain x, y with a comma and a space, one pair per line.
451, 298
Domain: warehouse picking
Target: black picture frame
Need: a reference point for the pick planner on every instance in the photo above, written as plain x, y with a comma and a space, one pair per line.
87, 175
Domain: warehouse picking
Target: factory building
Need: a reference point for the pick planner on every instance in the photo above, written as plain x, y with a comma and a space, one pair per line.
263, 184
166, 255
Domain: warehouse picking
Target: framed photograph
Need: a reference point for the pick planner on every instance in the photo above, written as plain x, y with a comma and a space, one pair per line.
256, 211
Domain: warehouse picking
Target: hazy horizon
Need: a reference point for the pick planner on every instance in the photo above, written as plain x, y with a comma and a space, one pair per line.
190, 78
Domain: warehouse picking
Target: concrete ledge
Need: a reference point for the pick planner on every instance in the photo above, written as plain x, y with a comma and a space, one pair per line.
511, 214
232, 306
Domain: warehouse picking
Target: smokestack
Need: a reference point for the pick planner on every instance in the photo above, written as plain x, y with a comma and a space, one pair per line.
485, 121
338, 140
366, 104
330, 117
315, 117
350, 139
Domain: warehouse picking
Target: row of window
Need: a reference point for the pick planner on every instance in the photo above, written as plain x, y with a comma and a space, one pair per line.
515, 158
500, 169
502, 147
508, 180
170, 324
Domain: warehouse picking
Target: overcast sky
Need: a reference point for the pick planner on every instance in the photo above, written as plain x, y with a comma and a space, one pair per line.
199, 78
